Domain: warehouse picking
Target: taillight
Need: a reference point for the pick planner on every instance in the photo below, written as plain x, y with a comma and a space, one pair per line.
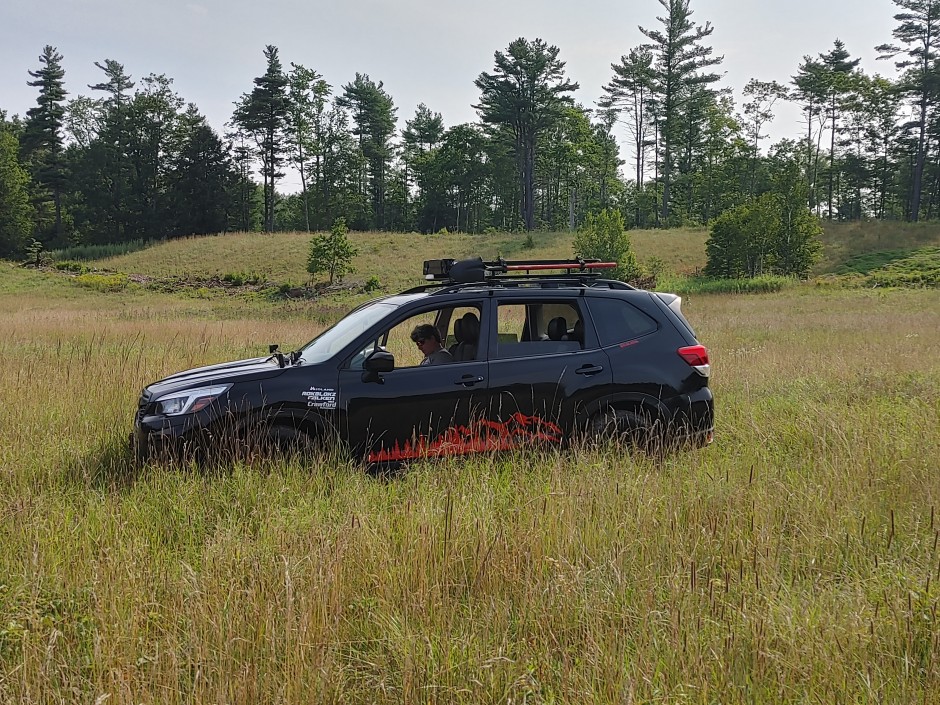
697, 358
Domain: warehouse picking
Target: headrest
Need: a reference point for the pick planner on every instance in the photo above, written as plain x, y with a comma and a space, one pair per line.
579, 330
469, 327
557, 328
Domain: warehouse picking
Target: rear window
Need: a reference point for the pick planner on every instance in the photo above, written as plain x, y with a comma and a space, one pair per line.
617, 321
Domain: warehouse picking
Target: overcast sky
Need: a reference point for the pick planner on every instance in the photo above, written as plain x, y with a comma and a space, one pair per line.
426, 51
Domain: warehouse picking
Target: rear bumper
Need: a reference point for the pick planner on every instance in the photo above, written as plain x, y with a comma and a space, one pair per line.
693, 418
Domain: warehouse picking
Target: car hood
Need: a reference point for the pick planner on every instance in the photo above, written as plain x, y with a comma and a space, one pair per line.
224, 373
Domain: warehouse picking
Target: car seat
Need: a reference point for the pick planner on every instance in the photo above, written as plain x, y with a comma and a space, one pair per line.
467, 333
578, 332
558, 328
458, 338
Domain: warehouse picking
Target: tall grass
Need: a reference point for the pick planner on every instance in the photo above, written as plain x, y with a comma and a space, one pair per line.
93, 252
795, 560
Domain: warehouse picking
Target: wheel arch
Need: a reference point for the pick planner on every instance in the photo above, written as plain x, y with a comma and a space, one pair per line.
636, 402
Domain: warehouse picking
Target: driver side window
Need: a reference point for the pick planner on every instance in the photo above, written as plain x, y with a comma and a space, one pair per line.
397, 340
458, 327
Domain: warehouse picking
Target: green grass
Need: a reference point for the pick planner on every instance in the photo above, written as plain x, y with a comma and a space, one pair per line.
844, 241
870, 261
918, 268
794, 560
92, 252
704, 285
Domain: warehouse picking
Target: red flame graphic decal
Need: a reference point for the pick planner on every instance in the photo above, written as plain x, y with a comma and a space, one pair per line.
479, 436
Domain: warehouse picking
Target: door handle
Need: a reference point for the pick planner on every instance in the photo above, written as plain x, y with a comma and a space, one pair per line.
468, 380
589, 370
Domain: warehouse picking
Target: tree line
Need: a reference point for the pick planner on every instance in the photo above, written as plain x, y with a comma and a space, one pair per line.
133, 160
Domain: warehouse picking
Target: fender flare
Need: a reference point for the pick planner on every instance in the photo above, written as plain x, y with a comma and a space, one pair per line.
307, 420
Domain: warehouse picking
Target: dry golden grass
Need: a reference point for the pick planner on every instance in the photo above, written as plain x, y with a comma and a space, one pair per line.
795, 560
395, 258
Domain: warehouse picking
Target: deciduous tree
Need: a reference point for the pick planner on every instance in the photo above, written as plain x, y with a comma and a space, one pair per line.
15, 209
332, 252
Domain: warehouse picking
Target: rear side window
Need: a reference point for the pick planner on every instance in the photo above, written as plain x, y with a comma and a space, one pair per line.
617, 321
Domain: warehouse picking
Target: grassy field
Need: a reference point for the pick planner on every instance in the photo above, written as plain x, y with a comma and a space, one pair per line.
794, 560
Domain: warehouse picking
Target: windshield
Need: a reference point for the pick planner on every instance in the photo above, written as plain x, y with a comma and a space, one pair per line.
333, 340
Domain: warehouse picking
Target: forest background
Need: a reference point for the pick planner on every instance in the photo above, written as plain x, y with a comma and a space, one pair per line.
133, 161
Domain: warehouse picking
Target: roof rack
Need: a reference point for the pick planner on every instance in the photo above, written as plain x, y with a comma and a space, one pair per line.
471, 271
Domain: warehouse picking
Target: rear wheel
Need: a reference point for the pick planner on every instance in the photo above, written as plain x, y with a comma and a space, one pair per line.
631, 428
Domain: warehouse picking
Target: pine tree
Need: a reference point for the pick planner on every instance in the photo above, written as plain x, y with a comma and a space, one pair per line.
630, 91
110, 154
525, 95
918, 32
263, 114
678, 69
200, 180
43, 139
839, 80
373, 116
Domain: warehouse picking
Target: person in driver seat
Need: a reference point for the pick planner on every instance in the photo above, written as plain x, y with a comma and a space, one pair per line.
428, 340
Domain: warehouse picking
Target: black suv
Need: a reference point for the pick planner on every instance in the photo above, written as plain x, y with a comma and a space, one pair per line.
534, 357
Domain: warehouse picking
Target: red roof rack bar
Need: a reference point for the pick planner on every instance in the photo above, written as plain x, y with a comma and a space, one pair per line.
566, 265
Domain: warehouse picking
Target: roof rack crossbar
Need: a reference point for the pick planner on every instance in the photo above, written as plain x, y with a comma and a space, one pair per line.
478, 270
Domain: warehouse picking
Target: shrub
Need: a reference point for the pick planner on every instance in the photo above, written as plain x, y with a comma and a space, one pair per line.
604, 237
373, 284
103, 282
71, 266
240, 278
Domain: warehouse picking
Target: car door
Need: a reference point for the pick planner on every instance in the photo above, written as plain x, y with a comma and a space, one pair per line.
545, 365
417, 411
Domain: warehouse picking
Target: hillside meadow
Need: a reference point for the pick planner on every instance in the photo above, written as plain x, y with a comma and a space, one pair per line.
794, 560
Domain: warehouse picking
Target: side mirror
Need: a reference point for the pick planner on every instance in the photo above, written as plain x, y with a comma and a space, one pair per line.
376, 364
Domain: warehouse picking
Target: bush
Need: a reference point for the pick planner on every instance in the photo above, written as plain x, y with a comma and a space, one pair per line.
604, 237
71, 266
240, 278
103, 282
372, 285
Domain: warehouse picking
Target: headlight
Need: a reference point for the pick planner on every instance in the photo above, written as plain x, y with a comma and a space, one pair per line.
189, 401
